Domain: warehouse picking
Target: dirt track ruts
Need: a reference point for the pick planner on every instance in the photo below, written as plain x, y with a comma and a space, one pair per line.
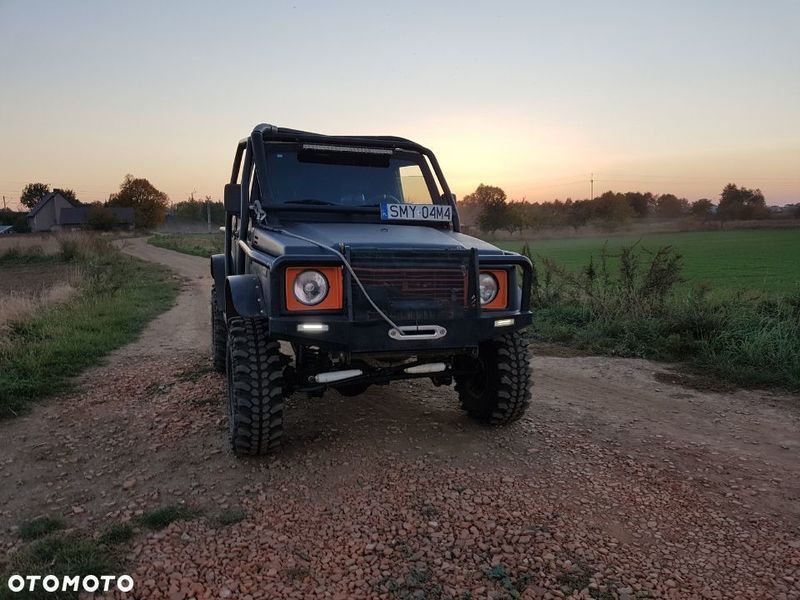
616, 484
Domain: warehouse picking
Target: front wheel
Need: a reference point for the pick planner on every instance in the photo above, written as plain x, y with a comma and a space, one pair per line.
495, 387
255, 388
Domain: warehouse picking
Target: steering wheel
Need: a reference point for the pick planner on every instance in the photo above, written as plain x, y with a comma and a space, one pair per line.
388, 198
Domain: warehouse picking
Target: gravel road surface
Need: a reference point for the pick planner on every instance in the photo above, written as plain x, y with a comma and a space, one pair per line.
619, 483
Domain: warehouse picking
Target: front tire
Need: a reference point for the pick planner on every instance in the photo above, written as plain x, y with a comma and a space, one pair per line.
255, 388
219, 335
496, 387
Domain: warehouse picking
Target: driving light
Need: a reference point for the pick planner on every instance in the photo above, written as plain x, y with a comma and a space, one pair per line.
488, 287
503, 322
310, 287
312, 327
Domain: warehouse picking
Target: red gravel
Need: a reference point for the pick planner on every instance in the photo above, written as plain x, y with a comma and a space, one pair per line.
422, 528
615, 486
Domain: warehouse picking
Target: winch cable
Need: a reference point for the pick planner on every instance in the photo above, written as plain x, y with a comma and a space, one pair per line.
347, 266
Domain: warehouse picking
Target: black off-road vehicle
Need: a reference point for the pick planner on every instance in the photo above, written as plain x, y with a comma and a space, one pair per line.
348, 251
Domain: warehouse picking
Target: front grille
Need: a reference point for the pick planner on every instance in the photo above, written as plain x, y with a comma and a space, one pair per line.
411, 286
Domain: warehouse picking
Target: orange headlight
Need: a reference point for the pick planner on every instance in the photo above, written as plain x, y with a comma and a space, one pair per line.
500, 301
332, 298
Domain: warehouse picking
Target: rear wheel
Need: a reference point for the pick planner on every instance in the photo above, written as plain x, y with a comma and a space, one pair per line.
219, 335
255, 388
496, 388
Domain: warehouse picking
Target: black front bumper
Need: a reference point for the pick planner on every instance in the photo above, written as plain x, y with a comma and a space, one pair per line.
373, 337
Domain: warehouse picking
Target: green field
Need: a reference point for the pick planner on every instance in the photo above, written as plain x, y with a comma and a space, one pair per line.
196, 244
763, 260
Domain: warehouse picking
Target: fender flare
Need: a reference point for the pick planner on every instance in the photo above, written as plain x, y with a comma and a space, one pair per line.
218, 274
244, 297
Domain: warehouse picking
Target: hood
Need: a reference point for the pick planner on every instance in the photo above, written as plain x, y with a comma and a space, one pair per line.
366, 235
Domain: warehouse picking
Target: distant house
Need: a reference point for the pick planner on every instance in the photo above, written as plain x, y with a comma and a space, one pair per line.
54, 213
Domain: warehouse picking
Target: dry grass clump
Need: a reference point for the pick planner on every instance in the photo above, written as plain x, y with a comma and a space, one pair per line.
45, 244
38, 266
17, 306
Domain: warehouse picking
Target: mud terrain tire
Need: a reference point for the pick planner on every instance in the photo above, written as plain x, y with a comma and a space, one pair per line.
255, 388
497, 391
219, 335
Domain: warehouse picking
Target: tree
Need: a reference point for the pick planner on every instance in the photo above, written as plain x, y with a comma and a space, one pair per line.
515, 217
196, 210
32, 193
101, 217
149, 204
669, 206
68, 194
702, 208
494, 211
742, 203
640, 202
580, 212
613, 209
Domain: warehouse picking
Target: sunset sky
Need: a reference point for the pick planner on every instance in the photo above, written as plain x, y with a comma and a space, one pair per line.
678, 97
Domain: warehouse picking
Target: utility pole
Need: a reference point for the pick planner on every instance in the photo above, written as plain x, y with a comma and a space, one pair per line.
591, 185
4, 202
208, 212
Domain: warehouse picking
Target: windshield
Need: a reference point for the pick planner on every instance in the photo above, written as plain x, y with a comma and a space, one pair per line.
345, 179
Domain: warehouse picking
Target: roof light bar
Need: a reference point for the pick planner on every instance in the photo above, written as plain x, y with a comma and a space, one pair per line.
358, 149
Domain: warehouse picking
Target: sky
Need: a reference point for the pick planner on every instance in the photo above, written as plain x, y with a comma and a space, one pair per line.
534, 97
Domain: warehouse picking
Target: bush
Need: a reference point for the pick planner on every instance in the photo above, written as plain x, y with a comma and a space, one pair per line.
628, 305
101, 218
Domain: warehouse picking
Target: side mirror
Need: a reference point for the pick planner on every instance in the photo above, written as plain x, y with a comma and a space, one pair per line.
233, 198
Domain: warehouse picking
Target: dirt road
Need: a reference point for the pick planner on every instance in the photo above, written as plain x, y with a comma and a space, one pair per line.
618, 484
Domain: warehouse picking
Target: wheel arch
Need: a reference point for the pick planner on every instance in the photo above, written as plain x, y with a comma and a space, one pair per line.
244, 297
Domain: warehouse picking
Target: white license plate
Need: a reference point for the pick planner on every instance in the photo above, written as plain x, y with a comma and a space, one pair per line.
416, 212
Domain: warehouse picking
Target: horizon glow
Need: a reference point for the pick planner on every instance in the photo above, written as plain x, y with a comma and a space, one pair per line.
534, 98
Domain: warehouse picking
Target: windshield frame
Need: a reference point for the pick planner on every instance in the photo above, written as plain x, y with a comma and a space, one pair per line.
412, 157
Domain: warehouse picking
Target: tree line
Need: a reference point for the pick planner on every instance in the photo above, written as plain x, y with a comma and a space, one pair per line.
489, 208
150, 205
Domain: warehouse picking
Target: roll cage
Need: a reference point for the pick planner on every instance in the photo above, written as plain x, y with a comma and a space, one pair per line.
251, 156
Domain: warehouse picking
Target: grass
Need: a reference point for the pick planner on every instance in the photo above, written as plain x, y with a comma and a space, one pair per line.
18, 256
117, 297
230, 516
36, 528
634, 306
763, 260
117, 533
68, 555
757, 259
196, 244
63, 554
164, 515
513, 587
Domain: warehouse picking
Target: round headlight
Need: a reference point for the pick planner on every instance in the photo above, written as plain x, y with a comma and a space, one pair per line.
487, 284
310, 287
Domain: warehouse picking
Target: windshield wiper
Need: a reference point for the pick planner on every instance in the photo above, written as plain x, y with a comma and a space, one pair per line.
311, 201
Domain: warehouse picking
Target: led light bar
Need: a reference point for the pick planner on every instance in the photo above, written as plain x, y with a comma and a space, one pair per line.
358, 149
312, 327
